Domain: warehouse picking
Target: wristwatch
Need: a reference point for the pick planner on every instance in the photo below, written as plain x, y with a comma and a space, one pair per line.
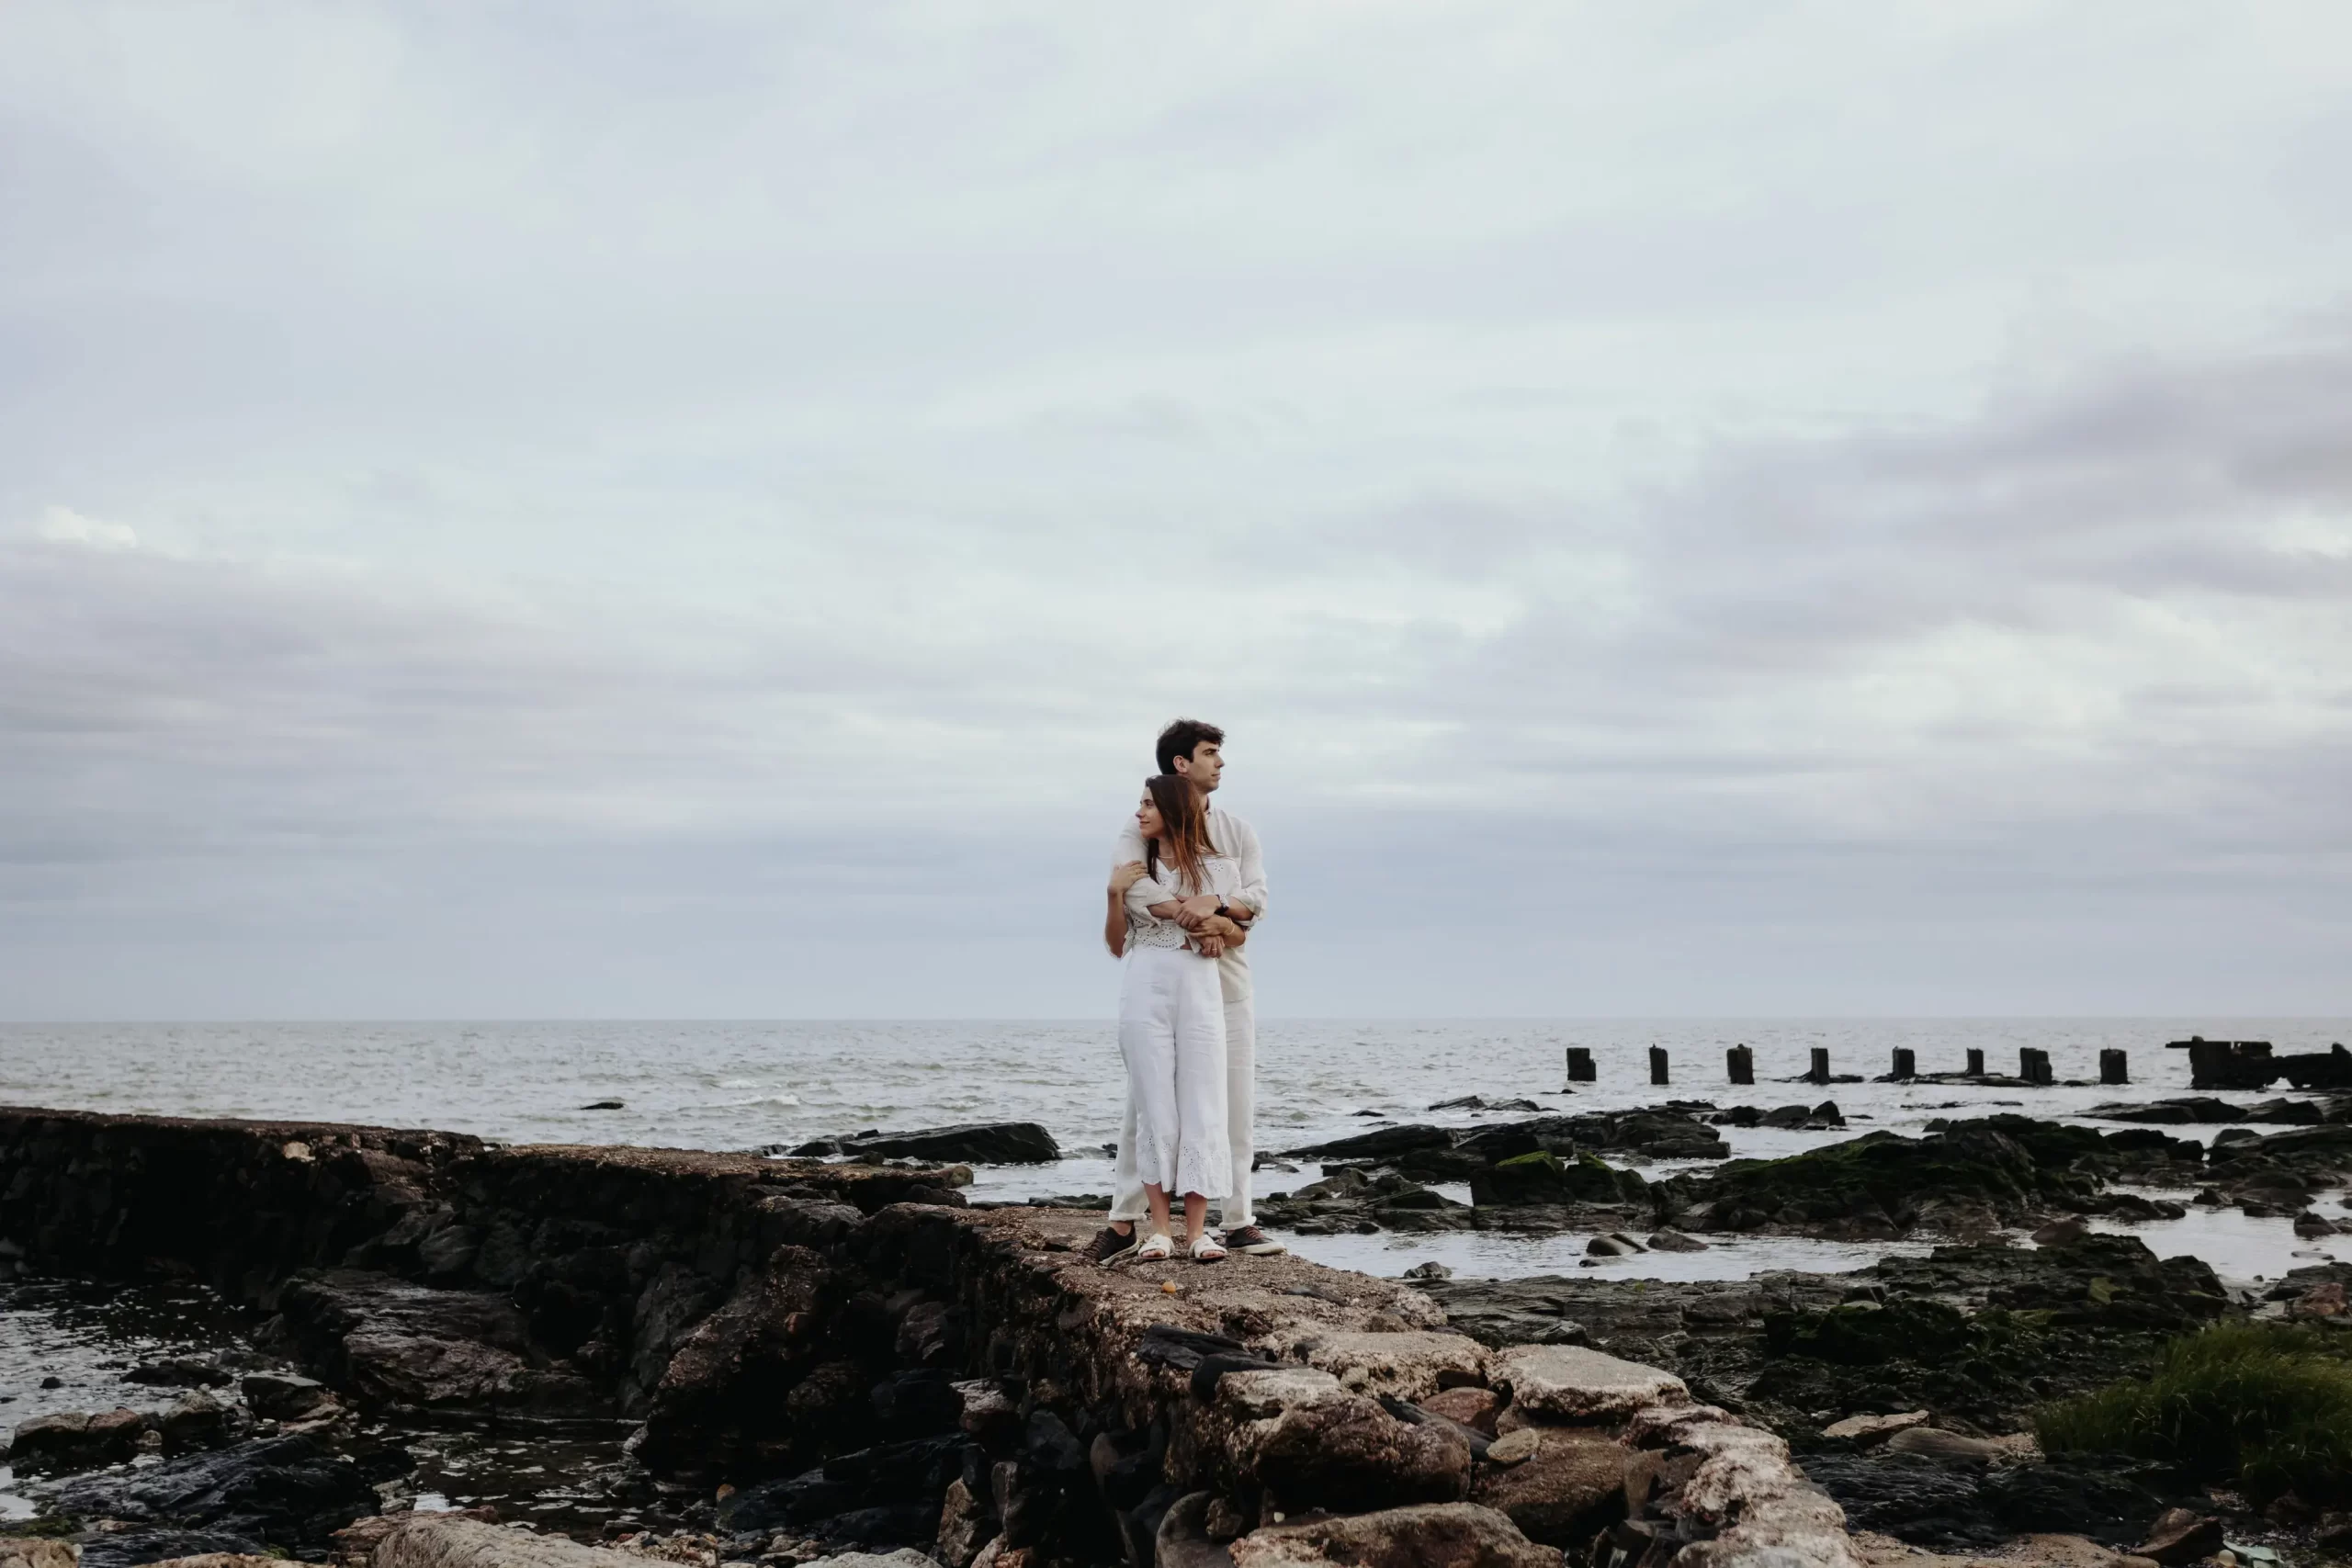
1224, 908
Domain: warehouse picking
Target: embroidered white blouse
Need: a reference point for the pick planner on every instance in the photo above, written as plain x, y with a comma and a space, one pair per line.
1147, 929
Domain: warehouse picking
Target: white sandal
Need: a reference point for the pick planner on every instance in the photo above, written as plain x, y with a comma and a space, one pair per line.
1205, 1249
1156, 1248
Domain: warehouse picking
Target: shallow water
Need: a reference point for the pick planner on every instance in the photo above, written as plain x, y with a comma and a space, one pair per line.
1494, 1255
744, 1085
82, 1338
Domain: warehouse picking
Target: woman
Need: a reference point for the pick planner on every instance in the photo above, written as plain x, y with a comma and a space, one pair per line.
1171, 1012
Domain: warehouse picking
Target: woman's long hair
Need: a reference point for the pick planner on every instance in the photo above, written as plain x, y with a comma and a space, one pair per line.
1186, 829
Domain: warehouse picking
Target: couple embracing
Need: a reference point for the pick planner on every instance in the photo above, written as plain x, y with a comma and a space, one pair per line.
1188, 885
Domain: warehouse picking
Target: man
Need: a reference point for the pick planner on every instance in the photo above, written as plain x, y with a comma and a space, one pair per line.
1195, 752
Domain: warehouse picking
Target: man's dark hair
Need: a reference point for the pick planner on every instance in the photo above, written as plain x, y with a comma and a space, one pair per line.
1180, 738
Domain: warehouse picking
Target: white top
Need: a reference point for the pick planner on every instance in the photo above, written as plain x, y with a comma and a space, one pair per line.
1235, 842
1147, 930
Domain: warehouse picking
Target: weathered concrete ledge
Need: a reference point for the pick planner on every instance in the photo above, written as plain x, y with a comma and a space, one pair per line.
858, 1358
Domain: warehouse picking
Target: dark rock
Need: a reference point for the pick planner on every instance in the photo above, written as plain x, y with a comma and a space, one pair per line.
287, 1491
1048, 1445
180, 1371
1675, 1241
1182, 1539
2108, 1505
1510, 1312
409, 1347
1660, 1135
1573, 1486
1125, 1465
1165, 1345
78, 1440
1544, 1178
974, 1143
605, 1105
2324, 1150
285, 1396
1963, 1176
128, 1549
883, 1526
861, 1488
917, 1404
2190, 1110
2132, 1207
1911, 1498
1348, 1454
1979, 1335
724, 1403
193, 1423
1385, 1144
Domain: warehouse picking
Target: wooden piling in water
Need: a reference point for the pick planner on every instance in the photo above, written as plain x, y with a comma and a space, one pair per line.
1580, 1064
1739, 1063
1657, 1063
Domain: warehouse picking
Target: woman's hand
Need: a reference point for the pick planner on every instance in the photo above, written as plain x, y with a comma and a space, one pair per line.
1209, 946
1125, 876
1216, 928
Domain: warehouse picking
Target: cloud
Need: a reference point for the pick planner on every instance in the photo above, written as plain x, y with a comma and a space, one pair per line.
1657, 486
65, 523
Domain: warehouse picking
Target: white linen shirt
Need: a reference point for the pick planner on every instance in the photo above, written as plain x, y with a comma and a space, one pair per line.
1232, 839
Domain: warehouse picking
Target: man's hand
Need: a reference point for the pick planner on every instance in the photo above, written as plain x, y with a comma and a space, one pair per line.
1193, 910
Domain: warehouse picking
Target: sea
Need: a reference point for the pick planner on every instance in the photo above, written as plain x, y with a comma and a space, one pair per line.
761, 1084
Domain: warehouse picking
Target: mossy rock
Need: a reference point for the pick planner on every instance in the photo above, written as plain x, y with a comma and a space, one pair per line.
1543, 1177
1883, 1175
1867, 1334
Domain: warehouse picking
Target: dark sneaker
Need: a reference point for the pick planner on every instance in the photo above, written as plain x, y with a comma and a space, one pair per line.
1109, 1246
1251, 1242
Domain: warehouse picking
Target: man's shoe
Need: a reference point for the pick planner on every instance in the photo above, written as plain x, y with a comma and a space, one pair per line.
1251, 1242
1109, 1246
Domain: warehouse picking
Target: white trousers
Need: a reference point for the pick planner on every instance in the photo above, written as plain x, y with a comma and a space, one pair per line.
1171, 1031
1241, 1111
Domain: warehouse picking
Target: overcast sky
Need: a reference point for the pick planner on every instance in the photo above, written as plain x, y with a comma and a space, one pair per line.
677, 510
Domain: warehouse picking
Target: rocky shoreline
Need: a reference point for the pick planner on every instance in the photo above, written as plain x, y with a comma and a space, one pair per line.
809, 1359
1966, 1178
787, 1359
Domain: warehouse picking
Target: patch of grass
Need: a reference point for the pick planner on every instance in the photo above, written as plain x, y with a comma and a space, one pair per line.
56, 1525
2266, 1405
